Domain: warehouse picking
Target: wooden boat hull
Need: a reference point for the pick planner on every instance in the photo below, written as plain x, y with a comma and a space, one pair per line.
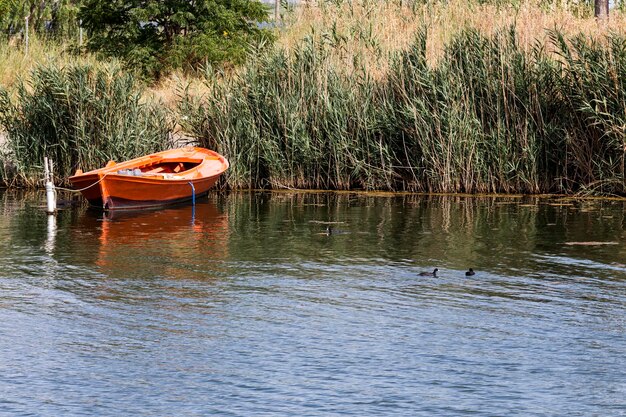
154, 182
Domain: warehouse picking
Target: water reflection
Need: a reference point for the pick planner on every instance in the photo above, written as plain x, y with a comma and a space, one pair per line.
519, 236
496, 234
51, 234
244, 305
167, 242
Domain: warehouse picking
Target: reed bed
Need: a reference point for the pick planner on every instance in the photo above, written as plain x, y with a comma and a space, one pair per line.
455, 96
81, 116
490, 115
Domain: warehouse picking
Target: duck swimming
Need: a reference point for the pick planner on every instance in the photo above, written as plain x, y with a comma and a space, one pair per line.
429, 274
470, 273
332, 231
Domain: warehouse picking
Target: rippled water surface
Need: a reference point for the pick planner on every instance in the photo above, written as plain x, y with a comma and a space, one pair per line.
245, 306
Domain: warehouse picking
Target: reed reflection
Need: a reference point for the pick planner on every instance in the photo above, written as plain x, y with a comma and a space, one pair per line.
503, 235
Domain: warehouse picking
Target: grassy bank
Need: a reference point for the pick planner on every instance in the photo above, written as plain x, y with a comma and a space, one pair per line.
443, 97
16, 64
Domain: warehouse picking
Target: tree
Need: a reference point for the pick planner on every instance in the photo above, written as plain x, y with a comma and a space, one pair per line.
56, 17
601, 9
157, 36
12, 14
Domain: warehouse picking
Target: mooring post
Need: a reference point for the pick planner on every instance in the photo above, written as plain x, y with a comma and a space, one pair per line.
51, 198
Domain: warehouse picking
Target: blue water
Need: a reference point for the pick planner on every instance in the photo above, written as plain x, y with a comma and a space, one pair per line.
244, 306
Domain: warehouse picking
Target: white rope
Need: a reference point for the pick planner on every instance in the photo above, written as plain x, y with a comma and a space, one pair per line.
82, 189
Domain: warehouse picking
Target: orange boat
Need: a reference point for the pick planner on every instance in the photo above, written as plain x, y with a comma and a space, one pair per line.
153, 180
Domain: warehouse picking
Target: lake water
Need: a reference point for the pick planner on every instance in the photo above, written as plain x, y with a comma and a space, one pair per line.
243, 306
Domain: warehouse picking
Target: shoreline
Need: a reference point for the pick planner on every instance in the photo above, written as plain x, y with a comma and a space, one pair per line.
569, 197
381, 194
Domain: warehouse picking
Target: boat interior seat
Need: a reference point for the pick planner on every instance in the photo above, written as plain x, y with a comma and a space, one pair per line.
168, 168
155, 170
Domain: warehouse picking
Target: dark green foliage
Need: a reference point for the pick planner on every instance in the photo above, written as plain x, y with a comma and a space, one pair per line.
488, 117
49, 17
81, 117
156, 36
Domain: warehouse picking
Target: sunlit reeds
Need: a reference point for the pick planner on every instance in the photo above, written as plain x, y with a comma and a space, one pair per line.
367, 31
80, 116
451, 96
489, 116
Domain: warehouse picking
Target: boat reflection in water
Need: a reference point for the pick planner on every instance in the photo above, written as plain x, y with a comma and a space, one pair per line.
179, 242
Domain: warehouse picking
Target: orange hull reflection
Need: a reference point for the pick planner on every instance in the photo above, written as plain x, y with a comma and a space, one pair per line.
170, 242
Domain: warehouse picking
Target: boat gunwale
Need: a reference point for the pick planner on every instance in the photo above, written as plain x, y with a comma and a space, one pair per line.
155, 178
159, 158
